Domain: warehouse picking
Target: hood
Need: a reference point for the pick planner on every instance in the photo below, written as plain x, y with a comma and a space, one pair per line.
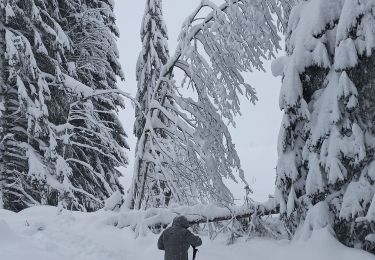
180, 221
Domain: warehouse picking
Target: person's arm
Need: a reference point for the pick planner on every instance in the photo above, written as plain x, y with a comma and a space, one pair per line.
192, 239
161, 242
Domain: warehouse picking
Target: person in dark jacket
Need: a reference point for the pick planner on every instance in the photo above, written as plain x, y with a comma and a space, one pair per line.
177, 239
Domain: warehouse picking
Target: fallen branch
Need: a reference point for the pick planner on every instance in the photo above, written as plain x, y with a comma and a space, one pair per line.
161, 217
259, 211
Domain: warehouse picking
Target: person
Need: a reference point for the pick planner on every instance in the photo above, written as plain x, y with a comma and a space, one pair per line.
177, 239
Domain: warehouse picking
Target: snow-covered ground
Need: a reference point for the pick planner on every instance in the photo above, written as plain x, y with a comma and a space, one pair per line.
39, 233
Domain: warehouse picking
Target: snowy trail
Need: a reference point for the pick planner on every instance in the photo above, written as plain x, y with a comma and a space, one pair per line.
40, 234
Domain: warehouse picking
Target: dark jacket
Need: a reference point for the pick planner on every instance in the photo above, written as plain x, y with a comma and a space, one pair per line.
177, 239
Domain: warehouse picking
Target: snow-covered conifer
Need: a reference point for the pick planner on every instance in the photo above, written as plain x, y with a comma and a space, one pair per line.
149, 186
28, 149
50, 120
326, 140
96, 139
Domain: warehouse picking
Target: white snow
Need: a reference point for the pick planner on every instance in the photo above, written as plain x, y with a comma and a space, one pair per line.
308, 50
114, 201
317, 218
371, 238
61, 37
348, 18
314, 179
357, 194
371, 171
346, 55
9, 13
291, 89
278, 66
41, 233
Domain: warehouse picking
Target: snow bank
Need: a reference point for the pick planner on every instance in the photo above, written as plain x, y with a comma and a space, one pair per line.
44, 233
14, 246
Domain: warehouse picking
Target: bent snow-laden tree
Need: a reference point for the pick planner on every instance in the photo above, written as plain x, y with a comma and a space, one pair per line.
195, 151
326, 150
51, 122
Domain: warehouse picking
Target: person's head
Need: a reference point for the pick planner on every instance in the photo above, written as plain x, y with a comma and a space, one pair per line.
180, 221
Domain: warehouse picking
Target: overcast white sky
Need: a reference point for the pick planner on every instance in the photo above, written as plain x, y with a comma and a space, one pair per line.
257, 129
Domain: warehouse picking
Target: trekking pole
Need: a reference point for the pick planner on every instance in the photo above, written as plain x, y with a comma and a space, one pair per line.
195, 250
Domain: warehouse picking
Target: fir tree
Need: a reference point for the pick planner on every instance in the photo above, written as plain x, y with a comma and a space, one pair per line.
31, 43
57, 128
148, 184
95, 136
328, 141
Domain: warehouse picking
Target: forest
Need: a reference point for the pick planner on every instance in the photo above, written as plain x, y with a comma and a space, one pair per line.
73, 184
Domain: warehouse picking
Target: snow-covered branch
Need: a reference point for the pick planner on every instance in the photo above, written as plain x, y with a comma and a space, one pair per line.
142, 219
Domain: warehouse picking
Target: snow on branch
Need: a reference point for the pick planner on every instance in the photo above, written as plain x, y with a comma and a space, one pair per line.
236, 37
141, 220
84, 92
184, 137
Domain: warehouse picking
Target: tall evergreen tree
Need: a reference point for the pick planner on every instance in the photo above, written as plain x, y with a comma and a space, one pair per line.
96, 137
326, 149
148, 184
51, 121
31, 42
